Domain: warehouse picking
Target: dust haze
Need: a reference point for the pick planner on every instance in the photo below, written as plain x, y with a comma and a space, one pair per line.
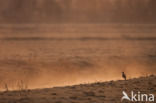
77, 11
47, 43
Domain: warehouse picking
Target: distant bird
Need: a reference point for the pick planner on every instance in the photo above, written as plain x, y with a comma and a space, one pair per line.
123, 75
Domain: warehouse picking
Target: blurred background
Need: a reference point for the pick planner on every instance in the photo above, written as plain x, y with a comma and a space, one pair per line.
47, 43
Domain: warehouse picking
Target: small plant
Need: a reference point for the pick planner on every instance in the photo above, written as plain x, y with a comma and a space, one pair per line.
6, 87
22, 87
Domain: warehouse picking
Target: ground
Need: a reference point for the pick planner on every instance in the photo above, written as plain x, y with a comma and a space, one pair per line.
99, 92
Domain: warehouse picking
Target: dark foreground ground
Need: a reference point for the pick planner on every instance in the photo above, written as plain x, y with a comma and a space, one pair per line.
100, 92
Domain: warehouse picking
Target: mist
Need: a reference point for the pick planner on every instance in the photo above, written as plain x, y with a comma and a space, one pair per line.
59, 55
47, 43
77, 11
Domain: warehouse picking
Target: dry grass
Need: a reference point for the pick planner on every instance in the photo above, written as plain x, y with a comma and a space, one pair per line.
108, 92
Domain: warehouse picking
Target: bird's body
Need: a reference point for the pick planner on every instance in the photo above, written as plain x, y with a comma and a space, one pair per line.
123, 75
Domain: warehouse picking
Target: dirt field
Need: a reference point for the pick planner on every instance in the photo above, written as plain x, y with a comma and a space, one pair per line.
100, 92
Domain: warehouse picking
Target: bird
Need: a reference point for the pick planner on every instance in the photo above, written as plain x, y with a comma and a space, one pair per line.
123, 75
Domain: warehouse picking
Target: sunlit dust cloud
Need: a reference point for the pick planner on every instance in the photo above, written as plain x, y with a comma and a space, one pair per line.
47, 43
45, 56
70, 72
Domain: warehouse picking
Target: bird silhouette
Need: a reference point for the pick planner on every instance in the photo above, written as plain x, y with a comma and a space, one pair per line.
124, 75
